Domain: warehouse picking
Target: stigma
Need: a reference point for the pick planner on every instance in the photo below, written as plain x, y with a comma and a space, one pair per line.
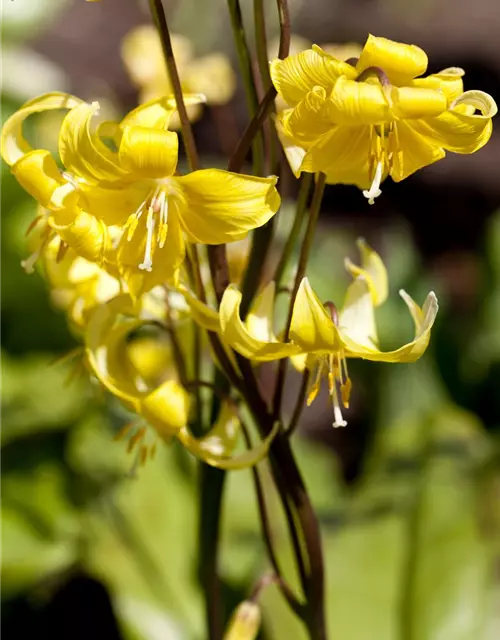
374, 191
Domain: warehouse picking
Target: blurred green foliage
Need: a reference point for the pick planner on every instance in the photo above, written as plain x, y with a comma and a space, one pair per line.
410, 547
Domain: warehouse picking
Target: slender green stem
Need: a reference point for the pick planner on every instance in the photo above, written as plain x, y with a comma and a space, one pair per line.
300, 214
245, 63
261, 43
301, 270
186, 130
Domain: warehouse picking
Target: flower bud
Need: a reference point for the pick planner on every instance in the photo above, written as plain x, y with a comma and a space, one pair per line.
244, 623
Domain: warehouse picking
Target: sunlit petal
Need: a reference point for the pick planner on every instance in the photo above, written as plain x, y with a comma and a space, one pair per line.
414, 150
373, 271
401, 62
220, 206
38, 173
312, 328
148, 152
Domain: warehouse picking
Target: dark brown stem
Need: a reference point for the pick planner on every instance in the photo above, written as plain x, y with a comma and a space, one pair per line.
166, 43
299, 405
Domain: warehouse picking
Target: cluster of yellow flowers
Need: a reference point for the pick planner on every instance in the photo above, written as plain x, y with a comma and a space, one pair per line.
117, 223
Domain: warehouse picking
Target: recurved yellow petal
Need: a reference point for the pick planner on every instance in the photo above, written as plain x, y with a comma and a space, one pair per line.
239, 336
423, 319
296, 75
148, 152
448, 81
87, 235
203, 449
401, 62
82, 152
459, 129
13, 143
220, 206
309, 120
38, 173
166, 409
417, 102
312, 328
259, 320
373, 271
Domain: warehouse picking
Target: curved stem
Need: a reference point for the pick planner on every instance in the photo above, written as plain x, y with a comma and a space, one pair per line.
166, 43
305, 186
301, 270
299, 405
245, 63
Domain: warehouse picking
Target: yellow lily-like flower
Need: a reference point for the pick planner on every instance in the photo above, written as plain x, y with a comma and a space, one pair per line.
320, 334
124, 175
164, 407
211, 75
360, 121
77, 285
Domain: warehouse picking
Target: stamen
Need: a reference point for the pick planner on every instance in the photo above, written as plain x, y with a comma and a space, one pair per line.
315, 386
332, 387
163, 204
29, 264
147, 265
374, 191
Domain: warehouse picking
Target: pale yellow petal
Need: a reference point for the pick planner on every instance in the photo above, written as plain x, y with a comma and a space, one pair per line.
115, 205
143, 55
357, 316
457, 129
166, 408
373, 270
240, 461
312, 328
294, 152
158, 112
202, 314
88, 236
13, 143
213, 76
220, 206
147, 152
423, 319
296, 75
259, 320
401, 62
238, 336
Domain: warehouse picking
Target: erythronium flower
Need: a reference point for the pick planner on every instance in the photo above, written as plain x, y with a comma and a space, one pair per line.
363, 120
212, 75
164, 407
123, 175
326, 337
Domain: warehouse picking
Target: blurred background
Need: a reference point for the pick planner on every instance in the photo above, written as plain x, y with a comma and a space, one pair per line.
408, 495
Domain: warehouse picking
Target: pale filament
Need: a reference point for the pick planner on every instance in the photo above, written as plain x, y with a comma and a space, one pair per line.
374, 191
334, 378
157, 220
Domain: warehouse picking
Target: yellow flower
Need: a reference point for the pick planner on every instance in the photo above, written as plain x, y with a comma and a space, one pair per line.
124, 175
211, 75
77, 285
164, 407
324, 336
360, 122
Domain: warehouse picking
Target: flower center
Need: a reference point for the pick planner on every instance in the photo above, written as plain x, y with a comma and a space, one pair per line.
155, 207
383, 146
